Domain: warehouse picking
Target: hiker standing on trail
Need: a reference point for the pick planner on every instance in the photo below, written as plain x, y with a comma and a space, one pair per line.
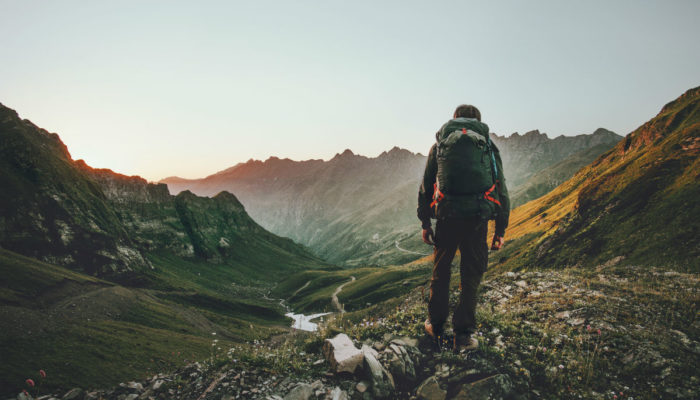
463, 187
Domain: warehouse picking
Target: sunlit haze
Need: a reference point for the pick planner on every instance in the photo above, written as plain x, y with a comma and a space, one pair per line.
189, 88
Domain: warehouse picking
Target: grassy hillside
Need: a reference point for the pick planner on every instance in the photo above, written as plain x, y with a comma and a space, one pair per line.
77, 327
638, 201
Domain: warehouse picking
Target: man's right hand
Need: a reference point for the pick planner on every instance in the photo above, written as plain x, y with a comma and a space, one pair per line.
428, 236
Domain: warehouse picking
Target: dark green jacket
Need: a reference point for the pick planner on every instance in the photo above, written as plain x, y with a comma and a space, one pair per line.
425, 193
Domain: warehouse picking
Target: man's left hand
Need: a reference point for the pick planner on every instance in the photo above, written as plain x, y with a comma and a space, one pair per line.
497, 242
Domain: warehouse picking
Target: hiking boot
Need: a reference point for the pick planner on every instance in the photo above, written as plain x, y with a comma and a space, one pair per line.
464, 342
435, 334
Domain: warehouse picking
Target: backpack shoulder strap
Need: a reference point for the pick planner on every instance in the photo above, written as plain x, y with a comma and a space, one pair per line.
493, 159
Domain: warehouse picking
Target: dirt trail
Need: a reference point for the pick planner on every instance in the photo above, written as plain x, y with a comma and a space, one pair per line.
336, 303
409, 251
300, 289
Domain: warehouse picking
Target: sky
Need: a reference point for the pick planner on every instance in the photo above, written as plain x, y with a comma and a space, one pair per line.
169, 88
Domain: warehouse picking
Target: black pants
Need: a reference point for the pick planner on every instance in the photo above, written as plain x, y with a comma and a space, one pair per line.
469, 236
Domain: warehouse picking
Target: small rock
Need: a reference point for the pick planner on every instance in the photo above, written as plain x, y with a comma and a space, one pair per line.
562, 315
576, 321
339, 394
379, 346
430, 390
74, 394
316, 385
362, 386
521, 284
157, 385
23, 396
302, 391
493, 387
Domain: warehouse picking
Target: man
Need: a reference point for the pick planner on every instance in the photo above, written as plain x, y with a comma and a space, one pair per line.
463, 187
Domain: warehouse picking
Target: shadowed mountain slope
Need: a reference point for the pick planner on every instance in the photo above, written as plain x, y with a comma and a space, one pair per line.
99, 222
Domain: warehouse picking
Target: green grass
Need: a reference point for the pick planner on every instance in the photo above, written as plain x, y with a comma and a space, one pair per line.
87, 332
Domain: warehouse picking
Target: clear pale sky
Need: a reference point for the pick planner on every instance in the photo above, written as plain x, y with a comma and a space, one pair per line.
161, 88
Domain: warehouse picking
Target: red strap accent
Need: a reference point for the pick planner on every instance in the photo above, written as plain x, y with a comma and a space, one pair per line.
437, 196
488, 197
464, 131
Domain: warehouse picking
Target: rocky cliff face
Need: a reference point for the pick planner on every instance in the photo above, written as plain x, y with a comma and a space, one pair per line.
51, 210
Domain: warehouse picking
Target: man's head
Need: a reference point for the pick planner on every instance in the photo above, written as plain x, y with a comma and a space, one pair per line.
467, 111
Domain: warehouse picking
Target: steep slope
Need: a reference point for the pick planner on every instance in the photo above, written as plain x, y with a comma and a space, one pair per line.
50, 210
637, 201
357, 210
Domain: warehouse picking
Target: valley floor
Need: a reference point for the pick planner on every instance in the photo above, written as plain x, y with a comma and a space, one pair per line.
613, 332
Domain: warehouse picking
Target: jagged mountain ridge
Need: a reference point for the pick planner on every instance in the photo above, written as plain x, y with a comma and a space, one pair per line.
525, 155
358, 210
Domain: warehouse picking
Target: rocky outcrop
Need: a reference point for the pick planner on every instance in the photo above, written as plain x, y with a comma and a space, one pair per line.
342, 354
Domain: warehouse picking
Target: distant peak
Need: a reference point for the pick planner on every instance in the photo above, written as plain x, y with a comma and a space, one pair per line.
345, 154
603, 131
396, 151
535, 132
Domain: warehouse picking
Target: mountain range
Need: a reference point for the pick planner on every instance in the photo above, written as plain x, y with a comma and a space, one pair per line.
355, 210
105, 278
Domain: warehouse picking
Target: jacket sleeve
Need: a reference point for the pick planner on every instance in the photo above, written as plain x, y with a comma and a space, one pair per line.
425, 193
504, 213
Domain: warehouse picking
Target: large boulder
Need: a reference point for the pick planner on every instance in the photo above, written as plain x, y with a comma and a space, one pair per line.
382, 382
342, 354
401, 360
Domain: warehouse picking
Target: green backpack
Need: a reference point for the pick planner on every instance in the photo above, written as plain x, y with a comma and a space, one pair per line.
466, 171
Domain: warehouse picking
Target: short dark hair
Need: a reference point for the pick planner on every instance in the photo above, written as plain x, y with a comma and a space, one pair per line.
467, 111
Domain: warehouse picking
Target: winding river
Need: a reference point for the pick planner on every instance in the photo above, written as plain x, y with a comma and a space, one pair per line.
305, 322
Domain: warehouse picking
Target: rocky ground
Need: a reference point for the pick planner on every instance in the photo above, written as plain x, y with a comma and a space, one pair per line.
615, 332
